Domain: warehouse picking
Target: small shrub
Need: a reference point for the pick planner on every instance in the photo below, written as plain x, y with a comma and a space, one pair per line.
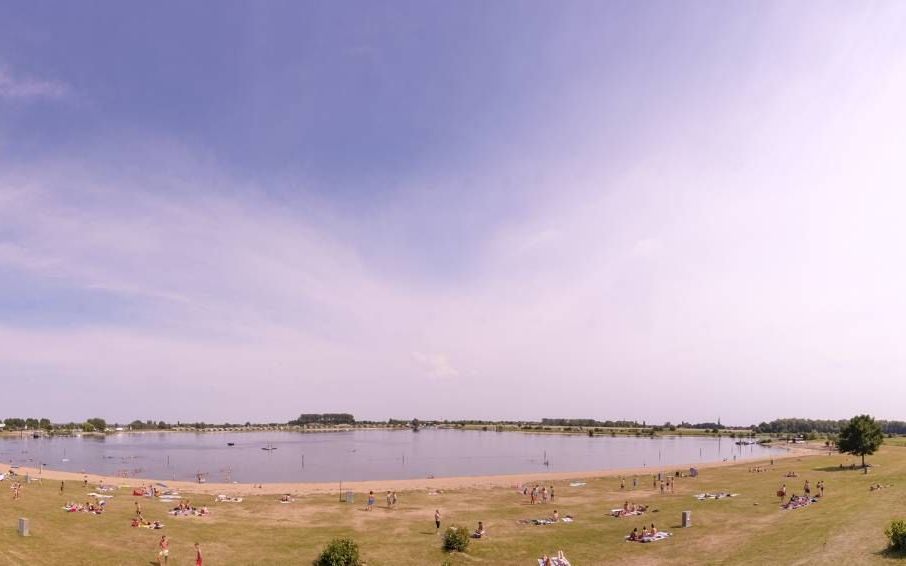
339, 552
456, 539
896, 532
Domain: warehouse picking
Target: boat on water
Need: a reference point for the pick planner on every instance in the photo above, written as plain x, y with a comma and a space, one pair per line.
231, 444
269, 447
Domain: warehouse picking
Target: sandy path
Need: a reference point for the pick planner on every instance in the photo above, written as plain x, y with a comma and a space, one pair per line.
462, 482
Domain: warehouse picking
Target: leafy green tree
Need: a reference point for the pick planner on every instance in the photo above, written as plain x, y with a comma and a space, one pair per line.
860, 437
98, 423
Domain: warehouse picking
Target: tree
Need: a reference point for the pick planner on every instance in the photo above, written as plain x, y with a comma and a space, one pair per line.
860, 437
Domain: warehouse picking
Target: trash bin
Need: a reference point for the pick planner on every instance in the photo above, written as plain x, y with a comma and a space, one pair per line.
23, 527
687, 519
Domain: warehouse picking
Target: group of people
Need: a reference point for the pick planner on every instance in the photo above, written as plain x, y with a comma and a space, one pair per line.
185, 509
629, 508
646, 532
72, 507
539, 494
163, 552
391, 499
797, 501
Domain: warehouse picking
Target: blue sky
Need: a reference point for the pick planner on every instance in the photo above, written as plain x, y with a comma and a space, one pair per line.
469, 209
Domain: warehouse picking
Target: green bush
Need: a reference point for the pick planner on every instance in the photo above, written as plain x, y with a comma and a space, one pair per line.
456, 539
896, 532
339, 552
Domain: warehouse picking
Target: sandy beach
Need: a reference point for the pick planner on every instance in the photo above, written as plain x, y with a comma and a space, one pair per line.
401, 485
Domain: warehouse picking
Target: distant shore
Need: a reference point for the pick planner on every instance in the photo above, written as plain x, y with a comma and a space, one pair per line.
439, 483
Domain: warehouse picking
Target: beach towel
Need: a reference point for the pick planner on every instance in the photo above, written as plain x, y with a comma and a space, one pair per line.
555, 560
99, 495
720, 495
798, 502
577, 484
224, 499
620, 513
651, 538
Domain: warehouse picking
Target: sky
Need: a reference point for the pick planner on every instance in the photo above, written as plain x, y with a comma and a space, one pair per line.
231, 211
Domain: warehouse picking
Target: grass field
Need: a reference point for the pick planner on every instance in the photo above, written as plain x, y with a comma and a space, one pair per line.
846, 527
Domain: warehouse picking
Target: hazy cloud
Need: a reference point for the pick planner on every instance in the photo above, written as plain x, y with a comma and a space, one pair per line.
25, 87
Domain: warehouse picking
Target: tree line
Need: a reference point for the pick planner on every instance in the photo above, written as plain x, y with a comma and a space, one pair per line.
805, 426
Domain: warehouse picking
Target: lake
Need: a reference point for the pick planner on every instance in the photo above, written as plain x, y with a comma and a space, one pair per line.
359, 454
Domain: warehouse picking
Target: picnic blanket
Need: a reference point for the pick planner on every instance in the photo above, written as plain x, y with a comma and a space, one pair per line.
225, 499
558, 560
546, 521
651, 538
798, 502
620, 513
577, 483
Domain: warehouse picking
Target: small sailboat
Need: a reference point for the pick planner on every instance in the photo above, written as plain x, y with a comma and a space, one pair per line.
231, 444
546, 461
269, 447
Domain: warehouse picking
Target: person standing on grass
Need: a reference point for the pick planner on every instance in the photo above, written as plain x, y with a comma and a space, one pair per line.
437, 520
163, 555
552, 494
62, 485
198, 557
808, 489
622, 483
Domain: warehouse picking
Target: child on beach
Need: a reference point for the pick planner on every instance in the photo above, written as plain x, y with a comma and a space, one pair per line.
437, 520
370, 501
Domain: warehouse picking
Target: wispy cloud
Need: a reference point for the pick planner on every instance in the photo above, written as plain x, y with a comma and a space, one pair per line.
435, 366
25, 87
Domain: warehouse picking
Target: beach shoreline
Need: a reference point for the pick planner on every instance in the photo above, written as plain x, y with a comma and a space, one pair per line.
400, 485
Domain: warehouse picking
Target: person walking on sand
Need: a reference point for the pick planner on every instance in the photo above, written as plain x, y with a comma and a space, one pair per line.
198, 557
163, 555
436, 521
393, 499
552, 494
370, 501
622, 483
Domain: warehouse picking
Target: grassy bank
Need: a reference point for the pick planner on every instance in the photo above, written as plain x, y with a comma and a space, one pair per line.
846, 527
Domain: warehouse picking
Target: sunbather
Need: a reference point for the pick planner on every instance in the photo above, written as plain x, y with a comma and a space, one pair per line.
479, 532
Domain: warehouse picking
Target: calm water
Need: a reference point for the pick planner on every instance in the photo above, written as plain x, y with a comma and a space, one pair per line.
358, 455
